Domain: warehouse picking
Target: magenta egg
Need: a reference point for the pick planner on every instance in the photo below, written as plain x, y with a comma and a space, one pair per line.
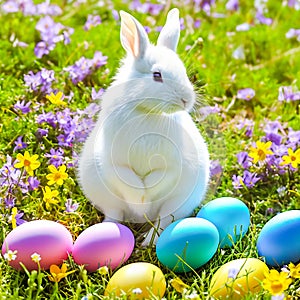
50, 240
104, 244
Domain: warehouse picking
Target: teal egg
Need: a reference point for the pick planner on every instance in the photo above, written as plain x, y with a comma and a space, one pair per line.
279, 240
187, 243
231, 216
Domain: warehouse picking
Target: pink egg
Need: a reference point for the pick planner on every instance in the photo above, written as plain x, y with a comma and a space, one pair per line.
51, 240
104, 244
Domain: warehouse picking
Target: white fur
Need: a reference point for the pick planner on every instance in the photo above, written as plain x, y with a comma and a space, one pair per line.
146, 159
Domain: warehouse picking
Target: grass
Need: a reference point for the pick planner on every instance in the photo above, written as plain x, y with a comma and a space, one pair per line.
270, 61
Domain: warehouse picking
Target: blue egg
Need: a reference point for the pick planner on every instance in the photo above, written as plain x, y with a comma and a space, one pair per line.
231, 217
279, 240
187, 243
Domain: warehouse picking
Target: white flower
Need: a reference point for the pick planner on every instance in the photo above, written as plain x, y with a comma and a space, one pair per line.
193, 295
137, 291
35, 257
10, 255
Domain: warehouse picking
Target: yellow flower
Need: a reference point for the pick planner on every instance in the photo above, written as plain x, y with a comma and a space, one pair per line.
30, 163
56, 99
294, 270
260, 152
179, 285
292, 159
49, 196
276, 283
57, 175
10, 255
35, 257
58, 273
13, 220
103, 270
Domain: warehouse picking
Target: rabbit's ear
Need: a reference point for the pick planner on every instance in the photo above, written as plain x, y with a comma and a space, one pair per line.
169, 35
134, 38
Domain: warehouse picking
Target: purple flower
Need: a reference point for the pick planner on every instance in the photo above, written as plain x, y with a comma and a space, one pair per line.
63, 141
73, 163
197, 24
115, 15
97, 95
70, 206
41, 132
48, 118
92, 21
56, 157
288, 93
98, 60
85, 67
19, 220
146, 8
232, 5
249, 180
246, 94
8, 173
270, 211
9, 200
293, 138
33, 183
19, 144
248, 124
274, 137
237, 182
28, 8
271, 131
262, 19
215, 168
40, 81
208, 110
244, 159
51, 33
10, 6
23, 106
45, 8
91, 110
25, 6
43, 48
294, 4
293, 33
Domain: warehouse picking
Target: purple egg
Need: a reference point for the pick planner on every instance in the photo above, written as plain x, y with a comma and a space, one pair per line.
51, 240
104, 244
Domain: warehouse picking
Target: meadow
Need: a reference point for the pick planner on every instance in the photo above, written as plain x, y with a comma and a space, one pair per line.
57, 58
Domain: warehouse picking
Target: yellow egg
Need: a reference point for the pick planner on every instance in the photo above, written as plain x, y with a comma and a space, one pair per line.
140, 280
237, 278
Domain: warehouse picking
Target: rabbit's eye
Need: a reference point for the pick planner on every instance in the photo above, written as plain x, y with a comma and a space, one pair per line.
157, 77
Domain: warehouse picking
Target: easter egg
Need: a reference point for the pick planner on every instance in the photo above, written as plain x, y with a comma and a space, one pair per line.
231, 217
139, 280
279, 240
237, 278
104, 244
187, 242
50, 240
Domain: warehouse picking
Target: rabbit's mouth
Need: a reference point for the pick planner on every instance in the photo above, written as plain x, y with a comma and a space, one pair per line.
157, 107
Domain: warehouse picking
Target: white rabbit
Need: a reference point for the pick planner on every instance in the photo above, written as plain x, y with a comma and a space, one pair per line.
145, 159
